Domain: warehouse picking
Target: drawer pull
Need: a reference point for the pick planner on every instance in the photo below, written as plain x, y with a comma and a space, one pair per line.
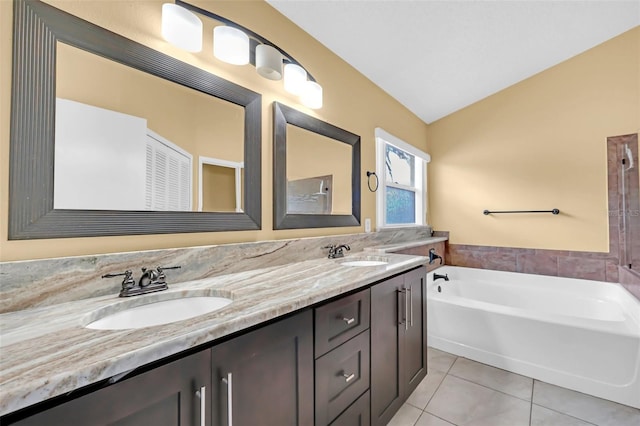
349, 321
348, 377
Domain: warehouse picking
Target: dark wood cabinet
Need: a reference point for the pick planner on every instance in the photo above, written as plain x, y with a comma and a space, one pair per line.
359, 414
342, 375
355, 366
342, 365
169, 395
340, 320
398, 342
265, 377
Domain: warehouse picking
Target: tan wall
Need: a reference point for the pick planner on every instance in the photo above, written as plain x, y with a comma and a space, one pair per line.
539, 144
350, 101
218, 189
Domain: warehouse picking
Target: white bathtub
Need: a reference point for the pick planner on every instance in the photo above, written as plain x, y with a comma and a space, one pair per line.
579, 334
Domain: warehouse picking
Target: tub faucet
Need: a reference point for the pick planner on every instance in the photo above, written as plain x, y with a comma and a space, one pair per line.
337, 251
433, 256
437, 276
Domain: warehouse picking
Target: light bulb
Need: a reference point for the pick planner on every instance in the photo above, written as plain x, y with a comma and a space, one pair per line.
269, 62
295, 78
181, 27
230, 45
311, 95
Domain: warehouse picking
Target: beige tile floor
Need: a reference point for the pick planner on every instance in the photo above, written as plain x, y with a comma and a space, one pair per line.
461, 392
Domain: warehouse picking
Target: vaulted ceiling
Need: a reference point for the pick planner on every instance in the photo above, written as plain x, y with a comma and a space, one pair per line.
436, 57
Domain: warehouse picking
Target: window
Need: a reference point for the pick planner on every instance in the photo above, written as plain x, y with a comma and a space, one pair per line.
402, 173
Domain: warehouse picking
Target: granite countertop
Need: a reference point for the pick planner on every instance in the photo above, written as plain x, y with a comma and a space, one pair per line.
47, 351
390, 248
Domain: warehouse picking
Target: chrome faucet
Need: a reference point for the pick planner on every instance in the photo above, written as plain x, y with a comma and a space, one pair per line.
152, 280
433, 256
336, 251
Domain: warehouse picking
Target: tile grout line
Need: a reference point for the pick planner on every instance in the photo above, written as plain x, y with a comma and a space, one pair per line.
446, 373
533, 384
565, 414
490, 388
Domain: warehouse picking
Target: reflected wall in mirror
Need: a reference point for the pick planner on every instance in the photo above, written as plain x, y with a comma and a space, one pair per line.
39, 203
128, 140
316, 172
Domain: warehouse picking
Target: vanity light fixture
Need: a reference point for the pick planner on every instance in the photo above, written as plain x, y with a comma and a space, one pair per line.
311, 95
181, 28
237, 45
269, 62
230, 45
294, 79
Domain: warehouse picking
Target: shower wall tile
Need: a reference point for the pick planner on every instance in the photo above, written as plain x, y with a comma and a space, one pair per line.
611, 271
582, 267
538, 263
630, 280
570, 264
485, 258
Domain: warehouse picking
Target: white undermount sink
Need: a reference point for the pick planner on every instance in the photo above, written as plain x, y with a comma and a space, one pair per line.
154, 313
365, 261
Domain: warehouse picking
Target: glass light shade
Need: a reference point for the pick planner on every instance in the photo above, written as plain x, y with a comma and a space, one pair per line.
268, 62
295, 78
311, 95
230, 45
181, 27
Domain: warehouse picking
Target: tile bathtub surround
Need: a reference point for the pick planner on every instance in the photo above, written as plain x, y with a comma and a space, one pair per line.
458, 391
35, 283
570, 264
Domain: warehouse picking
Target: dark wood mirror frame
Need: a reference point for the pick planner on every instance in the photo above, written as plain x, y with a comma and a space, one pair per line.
37, 29
283, 115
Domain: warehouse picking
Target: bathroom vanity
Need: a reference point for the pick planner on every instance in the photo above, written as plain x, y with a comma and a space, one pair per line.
298, 345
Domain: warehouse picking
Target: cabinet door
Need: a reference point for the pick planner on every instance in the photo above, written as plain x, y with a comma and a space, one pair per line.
387, 349
265, 377
166, 396
415, 336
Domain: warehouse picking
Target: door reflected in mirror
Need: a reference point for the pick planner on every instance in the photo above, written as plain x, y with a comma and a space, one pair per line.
128, 140
318, 173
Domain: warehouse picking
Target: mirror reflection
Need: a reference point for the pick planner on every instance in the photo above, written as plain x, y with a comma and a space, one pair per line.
128, 140
318, 173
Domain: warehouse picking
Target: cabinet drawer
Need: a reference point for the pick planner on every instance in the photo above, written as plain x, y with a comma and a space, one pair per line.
341, 376
359, 414
339, 321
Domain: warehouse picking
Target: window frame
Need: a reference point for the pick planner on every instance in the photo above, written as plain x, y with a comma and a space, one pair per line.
421, 159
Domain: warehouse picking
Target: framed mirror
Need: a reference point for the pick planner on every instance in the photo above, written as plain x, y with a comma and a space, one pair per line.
316, 172
149, 170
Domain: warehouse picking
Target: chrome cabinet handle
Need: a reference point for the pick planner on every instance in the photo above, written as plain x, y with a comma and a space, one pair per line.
402, 316
202, 394
229, 382
410, 290
348, 377
406, 308
349, 321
